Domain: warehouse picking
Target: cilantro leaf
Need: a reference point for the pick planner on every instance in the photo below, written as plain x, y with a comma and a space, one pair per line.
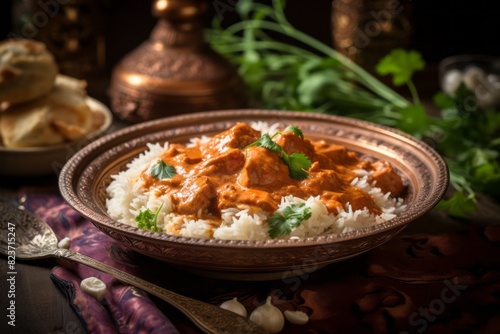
146, 219
295, 130
401, 64
161, 170
292, 216
298, 164
266, 142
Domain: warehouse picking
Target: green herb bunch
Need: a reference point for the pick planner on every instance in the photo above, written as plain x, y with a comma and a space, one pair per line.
283, 76
465, 134
318, 78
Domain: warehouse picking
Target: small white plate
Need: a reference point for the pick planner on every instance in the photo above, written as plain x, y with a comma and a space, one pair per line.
47, 160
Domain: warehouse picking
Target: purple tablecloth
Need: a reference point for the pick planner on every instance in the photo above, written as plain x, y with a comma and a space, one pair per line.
125, 309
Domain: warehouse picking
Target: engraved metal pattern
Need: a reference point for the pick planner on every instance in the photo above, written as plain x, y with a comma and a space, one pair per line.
178, 65
31, 237
84, 178
35, 240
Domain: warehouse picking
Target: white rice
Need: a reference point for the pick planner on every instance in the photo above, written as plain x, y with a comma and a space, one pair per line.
127, 197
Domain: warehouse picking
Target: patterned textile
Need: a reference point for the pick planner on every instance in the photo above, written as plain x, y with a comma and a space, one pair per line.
125, 309
439, 283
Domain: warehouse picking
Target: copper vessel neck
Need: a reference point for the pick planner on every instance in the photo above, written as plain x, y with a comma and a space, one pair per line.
179, 23
175, 71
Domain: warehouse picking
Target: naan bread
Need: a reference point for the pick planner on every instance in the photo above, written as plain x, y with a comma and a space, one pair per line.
27, 71
60, 116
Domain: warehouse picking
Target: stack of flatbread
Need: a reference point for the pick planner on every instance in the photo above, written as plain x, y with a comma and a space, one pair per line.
39, 106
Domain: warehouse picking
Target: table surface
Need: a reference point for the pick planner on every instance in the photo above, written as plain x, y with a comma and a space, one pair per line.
42, 308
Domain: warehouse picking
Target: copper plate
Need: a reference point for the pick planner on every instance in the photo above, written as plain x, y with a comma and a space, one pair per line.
84, 178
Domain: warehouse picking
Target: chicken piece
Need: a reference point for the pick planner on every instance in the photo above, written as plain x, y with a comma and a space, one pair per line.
338, 154
182, 154
228, 163
290, 190
231, 197
292, 143
333, 201
238, 136
263, 169
360, 200
194, 196
387, 179
317, 182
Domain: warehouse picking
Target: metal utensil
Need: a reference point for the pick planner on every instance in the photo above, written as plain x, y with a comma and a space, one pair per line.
27, 237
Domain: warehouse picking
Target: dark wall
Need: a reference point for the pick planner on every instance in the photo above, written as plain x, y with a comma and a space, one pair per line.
447, 27
441, 28
5, 19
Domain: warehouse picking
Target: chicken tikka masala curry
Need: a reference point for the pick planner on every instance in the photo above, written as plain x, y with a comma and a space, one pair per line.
241, 168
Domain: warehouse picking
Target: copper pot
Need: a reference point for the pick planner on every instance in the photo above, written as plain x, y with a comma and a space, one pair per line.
175, 71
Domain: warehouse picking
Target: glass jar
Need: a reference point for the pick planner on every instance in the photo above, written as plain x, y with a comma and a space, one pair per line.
367, 30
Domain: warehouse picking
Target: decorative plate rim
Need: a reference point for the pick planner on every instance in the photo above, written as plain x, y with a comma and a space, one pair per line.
67, 183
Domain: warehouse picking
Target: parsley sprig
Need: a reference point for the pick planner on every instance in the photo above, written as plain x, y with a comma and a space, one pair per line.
298, 163
147, 219
292, 216
161, 170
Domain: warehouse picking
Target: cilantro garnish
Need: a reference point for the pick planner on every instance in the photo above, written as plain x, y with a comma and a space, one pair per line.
292, 216
161, 170
266, 142
297, 163
295, 130
146, 219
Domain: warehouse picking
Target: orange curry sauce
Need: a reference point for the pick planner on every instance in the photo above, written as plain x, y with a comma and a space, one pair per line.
225, 173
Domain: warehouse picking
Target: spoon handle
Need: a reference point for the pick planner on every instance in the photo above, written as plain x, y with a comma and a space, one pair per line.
208, 317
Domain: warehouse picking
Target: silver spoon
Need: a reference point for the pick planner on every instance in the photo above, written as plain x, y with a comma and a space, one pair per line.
27, 237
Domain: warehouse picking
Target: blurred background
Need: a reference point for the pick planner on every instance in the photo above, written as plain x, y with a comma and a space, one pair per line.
106, 30
439, 28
